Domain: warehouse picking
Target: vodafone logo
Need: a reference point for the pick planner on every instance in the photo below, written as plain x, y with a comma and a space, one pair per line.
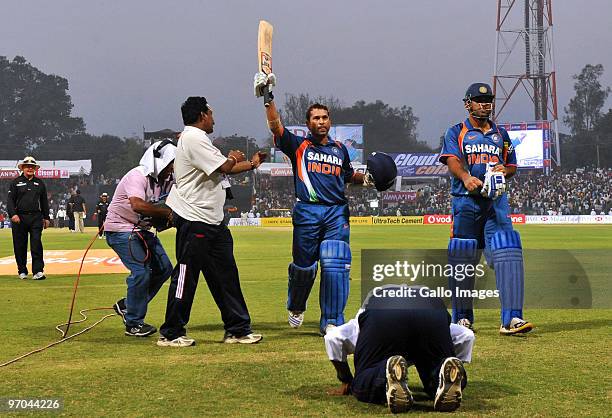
438, 219
518, 219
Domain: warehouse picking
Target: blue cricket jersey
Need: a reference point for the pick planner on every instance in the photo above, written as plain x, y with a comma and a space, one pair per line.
475, 149
320, 172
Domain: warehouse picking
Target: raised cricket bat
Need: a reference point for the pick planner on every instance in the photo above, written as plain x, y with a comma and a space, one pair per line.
264, 54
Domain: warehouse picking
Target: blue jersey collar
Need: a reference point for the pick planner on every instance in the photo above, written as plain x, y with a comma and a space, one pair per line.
330, 141
471, 127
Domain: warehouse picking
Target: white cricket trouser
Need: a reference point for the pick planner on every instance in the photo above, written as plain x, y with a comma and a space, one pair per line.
79, 226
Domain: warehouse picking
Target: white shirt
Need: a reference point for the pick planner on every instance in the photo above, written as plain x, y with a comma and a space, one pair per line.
341, 341
198, 195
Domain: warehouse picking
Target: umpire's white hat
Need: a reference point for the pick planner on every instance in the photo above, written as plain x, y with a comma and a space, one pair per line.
29, 160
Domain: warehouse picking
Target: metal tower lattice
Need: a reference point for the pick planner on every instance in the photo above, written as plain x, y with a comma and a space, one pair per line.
524, 63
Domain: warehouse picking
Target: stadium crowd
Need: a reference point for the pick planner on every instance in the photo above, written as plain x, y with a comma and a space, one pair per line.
581, 191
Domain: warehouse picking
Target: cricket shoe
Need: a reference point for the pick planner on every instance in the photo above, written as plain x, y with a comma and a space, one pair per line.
448, 395
39, 276
120, 309
464, 322
516, 326
23, 276
182, 341
399, 397
142, 330
246, 339
296, 319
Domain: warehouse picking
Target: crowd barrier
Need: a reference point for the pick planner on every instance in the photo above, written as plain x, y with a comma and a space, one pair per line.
435, 220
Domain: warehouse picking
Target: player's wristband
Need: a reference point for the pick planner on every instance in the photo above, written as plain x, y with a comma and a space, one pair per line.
269, 98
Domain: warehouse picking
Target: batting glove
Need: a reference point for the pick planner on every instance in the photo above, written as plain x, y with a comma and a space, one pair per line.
262, 80
494, 184
498, 180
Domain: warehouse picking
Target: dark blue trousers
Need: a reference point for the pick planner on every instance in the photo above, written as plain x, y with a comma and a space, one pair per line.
313, 224
420, 334
479, 218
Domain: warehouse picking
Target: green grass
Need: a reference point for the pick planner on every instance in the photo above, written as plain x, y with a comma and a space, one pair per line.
562, 369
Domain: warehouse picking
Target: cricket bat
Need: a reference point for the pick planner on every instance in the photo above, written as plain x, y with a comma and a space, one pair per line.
264, 54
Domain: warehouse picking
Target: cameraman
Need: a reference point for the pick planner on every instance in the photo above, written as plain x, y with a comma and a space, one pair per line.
128, 233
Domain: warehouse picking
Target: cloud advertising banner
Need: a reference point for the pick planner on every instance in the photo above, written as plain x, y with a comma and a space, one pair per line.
419, 164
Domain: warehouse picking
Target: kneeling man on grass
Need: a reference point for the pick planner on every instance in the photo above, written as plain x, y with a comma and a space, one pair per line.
389, 334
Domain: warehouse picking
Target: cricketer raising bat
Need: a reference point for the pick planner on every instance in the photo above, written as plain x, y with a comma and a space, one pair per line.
264, 54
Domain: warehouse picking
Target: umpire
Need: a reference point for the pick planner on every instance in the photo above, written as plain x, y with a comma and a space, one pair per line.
28, 209
203, 242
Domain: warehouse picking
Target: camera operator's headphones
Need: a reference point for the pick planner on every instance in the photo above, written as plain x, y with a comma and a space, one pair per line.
157, 154
157, 150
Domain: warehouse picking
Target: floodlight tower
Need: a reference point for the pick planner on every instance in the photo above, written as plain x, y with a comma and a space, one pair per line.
525, 63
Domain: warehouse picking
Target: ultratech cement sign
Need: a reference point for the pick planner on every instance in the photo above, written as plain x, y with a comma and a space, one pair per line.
397, 220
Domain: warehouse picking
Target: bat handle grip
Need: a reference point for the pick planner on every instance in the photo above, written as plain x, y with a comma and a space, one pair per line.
268, 96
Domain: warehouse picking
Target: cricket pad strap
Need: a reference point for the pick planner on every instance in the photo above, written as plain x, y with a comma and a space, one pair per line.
462, 252
301, 280
335, 256
507, 253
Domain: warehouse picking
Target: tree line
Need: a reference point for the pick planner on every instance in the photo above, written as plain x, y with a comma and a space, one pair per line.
36, 118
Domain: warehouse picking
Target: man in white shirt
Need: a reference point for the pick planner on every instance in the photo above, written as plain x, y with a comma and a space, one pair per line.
388, 334
61, 213
203, 242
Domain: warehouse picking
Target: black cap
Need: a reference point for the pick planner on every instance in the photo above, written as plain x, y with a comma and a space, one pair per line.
478, 90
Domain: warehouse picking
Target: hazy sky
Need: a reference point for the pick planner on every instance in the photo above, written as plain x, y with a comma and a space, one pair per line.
132, 63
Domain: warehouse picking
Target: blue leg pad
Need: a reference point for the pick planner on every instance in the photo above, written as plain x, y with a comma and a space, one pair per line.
335, 259
489, 257
301, 280
507, 254
462, 252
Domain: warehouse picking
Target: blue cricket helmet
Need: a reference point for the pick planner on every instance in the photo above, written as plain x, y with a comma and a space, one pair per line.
478, 90
383, 170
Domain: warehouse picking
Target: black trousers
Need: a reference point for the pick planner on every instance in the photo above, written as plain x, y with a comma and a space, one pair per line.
32, 225
101, 219
420, 335
208, 249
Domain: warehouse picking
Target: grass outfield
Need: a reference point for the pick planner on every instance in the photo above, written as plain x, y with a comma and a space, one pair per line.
561, 369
